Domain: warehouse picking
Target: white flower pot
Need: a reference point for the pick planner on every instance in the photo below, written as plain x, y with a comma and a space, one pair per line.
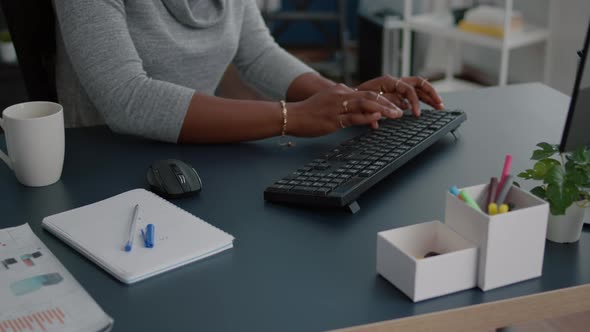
566, 228
7, 52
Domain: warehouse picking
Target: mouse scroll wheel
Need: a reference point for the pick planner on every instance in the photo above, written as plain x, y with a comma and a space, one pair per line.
181, 178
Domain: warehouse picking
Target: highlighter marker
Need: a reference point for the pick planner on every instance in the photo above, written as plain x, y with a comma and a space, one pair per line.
469, 201
503, 208
492, 209
492, 189
505, 172
505, 189
455, 192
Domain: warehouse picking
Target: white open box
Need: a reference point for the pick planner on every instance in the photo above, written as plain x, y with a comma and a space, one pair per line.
511, 245
400, 260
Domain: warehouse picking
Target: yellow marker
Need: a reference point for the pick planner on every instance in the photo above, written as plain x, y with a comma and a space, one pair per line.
503, 208
492, 209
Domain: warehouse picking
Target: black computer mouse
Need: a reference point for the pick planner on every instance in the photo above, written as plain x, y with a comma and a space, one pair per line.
173, 178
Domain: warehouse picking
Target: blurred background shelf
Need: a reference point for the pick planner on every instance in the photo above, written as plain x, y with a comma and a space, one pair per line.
436, 22
436, 25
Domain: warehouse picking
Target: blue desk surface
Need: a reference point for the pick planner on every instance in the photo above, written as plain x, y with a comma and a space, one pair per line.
296, 269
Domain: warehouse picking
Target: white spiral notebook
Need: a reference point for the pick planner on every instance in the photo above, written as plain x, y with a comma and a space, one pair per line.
100, 230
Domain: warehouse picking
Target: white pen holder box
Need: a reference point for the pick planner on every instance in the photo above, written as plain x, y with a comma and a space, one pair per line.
511, 245
400, 260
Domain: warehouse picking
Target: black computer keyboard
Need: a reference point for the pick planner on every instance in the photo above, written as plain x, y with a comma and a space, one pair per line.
339, 177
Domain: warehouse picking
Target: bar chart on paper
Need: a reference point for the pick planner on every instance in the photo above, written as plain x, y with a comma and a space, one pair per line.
49, 320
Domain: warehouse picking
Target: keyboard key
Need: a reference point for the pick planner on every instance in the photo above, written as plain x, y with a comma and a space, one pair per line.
348, 185
365, 173
323, 191
302, 190
331, 185
322, 167
279, 188
292, 176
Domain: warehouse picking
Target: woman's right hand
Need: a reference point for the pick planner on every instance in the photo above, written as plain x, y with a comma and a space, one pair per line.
336, 108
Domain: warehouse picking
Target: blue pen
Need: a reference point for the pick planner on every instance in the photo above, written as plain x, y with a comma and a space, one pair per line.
454, 190
129, 243
148, 235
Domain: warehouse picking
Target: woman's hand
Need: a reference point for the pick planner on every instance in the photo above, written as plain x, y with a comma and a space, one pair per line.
406, 92
336, 108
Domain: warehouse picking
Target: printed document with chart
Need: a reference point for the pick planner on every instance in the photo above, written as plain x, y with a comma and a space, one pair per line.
37, 293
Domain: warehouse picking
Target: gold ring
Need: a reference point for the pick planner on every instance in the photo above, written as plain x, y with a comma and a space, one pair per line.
340, 122
345, 105
379, 95
423, 81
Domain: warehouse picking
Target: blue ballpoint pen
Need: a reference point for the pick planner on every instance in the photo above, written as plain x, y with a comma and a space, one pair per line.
129, 243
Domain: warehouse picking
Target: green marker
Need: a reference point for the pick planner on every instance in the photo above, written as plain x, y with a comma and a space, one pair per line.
469, 200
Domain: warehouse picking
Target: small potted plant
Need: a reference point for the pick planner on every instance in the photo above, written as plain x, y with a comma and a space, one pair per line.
566, 187
7, 51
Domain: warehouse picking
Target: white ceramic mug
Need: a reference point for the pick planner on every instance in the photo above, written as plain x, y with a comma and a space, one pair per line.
35, 139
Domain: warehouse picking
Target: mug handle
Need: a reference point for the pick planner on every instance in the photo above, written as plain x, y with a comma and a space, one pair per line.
3, 155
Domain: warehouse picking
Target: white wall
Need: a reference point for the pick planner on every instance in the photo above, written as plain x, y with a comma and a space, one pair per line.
570, 20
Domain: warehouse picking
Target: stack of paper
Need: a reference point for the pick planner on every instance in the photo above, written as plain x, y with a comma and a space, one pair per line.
37, 293
489, 21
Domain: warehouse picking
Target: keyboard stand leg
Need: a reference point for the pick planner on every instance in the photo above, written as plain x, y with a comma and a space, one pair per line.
354, 207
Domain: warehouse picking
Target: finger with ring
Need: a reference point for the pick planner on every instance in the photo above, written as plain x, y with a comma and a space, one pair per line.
423, 81
379, 95
345, 106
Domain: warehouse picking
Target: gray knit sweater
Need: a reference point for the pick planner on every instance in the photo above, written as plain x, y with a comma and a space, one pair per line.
135, 64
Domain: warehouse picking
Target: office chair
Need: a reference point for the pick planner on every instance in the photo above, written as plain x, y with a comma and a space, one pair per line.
32, 26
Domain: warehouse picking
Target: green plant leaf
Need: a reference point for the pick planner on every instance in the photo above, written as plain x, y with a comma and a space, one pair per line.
542, 167
576, 176
579, 156
561, 197
527, 175
555, 175
547, 147
547, 150
539, 192
560, 192
541, 154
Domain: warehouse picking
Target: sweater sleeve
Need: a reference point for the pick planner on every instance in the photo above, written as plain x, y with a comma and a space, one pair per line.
103, 55
259, 59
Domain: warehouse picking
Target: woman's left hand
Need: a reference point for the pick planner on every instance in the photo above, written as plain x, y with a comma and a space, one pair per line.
405, 92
